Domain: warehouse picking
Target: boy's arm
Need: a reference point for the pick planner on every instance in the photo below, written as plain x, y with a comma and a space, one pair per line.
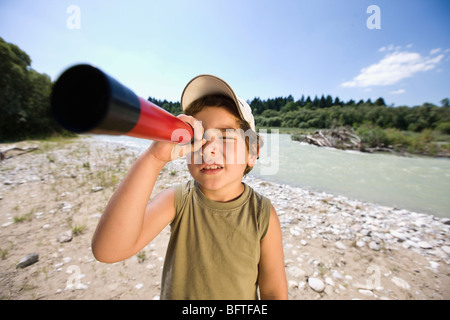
272, 276
129, 222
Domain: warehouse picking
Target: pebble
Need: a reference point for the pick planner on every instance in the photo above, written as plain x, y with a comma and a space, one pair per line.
65, 236
139, 286
316, 284
340, 245
28, 260
401, 283
425, 245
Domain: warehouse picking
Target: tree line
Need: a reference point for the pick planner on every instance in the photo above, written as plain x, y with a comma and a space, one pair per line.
328, 112
24, 97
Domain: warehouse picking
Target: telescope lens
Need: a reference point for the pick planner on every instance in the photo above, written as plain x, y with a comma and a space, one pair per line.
80, 98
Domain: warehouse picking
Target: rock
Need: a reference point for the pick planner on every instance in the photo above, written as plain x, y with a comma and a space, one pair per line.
28, 260
316, 284
329, 290
374, 246
425, 245
65, 236
95, 216
296, 272
139, 286
337, 275
360, 243
96, 189
366, 292
399, 235
340, 245
434, 265
294, 231
66, 207
292, 284
329, 281
401, 283
334, 138
446, 249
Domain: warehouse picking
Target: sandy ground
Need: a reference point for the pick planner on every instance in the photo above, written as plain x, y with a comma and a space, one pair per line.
335, 248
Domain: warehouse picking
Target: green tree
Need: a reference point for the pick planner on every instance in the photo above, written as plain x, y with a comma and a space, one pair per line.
24, 96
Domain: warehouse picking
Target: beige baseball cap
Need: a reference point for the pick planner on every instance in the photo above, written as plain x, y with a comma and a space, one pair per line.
207, 84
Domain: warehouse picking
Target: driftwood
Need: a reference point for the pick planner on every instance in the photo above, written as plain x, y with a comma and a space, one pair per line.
335, 138
14, 151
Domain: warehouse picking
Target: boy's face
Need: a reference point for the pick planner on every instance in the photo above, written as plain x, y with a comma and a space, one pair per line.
222, 160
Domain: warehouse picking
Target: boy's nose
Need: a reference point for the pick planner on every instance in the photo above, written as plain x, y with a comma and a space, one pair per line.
210, 150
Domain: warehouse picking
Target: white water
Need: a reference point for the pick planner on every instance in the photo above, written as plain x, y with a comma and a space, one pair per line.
418, 184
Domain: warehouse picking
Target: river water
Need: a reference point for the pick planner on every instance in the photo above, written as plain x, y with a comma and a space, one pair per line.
419, 184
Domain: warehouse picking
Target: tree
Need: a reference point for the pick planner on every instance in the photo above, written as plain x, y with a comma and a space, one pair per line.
380, 102
301, 102
24, 96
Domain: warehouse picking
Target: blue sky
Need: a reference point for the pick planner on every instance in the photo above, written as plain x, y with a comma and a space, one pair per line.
261, 48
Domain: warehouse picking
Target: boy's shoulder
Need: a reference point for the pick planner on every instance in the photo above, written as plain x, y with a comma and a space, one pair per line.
257, 194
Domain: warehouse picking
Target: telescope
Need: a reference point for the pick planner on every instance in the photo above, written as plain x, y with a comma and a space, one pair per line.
85, 99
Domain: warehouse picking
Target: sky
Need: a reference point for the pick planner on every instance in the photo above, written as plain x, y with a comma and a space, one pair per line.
398, 50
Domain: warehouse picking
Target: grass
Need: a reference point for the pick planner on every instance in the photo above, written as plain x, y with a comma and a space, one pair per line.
22, 218
78, 229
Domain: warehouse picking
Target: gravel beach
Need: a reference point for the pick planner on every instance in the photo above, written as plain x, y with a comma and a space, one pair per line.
52, 197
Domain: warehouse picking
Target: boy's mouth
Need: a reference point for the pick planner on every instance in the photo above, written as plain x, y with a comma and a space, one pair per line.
212, 169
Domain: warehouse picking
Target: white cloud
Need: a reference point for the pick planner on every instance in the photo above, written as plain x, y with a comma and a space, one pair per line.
399, 91
394, 67
389, 48
435, 50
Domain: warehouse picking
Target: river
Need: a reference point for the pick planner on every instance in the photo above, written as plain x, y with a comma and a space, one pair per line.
419, 184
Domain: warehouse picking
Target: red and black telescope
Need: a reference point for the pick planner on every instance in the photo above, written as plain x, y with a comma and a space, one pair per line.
86, 100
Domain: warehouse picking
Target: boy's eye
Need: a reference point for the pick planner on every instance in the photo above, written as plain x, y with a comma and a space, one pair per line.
227, 138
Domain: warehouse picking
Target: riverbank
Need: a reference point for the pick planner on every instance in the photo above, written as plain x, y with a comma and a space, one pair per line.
335, 248
370, 139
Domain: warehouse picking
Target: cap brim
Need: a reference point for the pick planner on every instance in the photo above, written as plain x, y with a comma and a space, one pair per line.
204, 85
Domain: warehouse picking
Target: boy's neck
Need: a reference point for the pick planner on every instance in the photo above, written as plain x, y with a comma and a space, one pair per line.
225, 194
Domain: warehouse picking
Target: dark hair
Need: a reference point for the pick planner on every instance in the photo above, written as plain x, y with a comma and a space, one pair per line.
218, 100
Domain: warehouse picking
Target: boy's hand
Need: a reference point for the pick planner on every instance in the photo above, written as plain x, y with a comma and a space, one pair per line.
168, 151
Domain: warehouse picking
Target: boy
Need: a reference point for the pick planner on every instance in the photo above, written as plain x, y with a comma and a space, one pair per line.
225, 238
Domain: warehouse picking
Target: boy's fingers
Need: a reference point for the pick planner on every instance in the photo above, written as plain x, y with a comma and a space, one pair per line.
198, 130
180, 150
197, 145
195, 124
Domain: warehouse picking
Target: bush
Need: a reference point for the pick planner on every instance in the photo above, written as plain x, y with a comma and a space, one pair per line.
444, 127
372, 136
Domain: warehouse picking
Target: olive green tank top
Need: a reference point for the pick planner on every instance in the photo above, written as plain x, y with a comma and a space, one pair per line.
214, 247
